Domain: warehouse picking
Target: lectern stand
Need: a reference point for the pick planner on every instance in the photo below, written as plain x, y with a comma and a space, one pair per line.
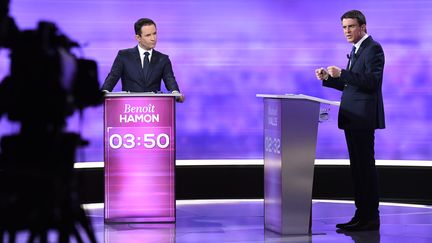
290, 133
139, 134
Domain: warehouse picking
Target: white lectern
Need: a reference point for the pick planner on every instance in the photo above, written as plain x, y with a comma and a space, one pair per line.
290, 133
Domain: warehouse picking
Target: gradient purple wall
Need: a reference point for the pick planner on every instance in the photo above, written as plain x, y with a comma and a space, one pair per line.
224, 52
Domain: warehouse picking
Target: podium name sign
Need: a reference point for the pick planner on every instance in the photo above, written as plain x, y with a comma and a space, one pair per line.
139, 159
273, 165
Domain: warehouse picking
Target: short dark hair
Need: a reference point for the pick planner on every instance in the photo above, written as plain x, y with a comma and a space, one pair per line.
142, 22
355, 14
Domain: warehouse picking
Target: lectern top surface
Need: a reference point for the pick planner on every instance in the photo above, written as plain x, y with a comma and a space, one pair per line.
298, 96
141, 94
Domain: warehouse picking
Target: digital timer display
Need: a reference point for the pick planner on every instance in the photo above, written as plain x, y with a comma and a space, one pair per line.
130, 141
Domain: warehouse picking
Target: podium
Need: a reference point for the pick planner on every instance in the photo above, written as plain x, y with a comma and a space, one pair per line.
139, 153
290, 133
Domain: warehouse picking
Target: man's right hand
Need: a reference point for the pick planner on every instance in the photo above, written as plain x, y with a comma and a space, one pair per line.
321, 74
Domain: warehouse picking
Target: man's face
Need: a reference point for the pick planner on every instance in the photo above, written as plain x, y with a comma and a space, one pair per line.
148, 37
352, 30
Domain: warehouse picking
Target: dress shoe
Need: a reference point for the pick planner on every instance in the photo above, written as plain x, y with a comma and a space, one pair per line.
354, 220
364, 225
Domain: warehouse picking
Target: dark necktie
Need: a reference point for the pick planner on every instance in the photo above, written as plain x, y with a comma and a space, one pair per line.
352, 56
146, 64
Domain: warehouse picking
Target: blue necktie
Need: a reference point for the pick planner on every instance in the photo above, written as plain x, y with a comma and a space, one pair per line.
146, 64
352, 56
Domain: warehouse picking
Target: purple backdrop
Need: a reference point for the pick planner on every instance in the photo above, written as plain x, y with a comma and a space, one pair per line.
224, 52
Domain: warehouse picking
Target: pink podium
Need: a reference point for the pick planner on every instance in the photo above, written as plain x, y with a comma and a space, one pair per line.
139, 135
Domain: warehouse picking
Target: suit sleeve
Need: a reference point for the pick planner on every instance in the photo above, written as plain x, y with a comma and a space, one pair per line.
335, 83
168, 77
371, 78
114, 75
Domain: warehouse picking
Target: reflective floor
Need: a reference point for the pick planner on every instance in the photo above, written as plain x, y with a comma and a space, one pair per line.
242, 221
239, 221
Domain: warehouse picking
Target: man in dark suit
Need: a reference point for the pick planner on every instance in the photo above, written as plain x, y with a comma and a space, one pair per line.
142, 68
361, 112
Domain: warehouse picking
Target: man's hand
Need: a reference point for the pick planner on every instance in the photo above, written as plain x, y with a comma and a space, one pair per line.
321, 74
180, 99
334, 71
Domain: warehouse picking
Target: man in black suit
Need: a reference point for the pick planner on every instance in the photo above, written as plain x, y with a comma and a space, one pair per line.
142, 68
361, 112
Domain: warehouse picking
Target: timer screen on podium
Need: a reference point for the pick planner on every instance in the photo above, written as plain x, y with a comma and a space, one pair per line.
139, 159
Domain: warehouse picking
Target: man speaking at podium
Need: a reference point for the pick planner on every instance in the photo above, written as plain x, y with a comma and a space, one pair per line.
142, 68
361, 112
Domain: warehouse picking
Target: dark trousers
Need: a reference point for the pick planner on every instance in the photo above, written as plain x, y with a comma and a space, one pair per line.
364, 173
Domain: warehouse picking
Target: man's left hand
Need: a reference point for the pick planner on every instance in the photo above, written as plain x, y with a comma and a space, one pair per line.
180, 99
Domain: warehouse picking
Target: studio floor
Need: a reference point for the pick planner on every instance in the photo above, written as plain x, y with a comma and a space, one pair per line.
220, 221
242, 221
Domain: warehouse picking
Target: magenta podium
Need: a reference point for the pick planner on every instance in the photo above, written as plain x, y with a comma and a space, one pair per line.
139, 135
290, 133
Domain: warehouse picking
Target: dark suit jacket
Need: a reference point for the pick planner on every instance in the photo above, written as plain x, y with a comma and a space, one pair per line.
361, 105
128, 67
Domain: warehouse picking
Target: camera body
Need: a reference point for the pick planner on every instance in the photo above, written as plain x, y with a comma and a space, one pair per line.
47, 83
